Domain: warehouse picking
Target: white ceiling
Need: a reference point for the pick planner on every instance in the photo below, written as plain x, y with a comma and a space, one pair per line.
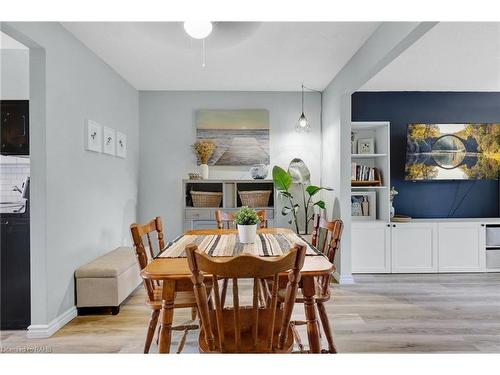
450, 57
6, 42
256, 56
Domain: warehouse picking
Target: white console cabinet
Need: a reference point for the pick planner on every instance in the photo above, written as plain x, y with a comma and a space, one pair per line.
414, 247
423, 246
461, 247
371, 244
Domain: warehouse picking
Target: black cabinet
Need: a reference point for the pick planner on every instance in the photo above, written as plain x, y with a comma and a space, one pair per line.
15, 303
15, 127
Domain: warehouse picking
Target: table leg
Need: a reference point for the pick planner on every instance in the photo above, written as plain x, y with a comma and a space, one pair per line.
167, 314
310, 312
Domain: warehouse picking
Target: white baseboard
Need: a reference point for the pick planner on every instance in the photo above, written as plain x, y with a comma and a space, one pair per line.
43, 331
343, 279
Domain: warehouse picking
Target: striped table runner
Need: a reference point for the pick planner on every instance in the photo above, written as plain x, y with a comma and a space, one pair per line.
229, 245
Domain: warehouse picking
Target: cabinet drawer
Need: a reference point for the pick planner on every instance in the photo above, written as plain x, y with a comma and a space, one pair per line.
493, 258
198, 214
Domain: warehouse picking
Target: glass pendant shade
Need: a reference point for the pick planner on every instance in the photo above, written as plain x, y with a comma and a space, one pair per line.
302, 125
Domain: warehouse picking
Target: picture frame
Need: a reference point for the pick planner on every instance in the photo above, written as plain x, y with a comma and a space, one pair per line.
109, 140
121, 144
363, 205
93, 136
366, 146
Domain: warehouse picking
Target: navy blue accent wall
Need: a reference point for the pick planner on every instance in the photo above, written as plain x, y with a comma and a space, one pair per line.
432, 199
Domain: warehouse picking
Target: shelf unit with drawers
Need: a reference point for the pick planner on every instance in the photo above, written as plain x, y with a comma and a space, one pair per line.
204, 217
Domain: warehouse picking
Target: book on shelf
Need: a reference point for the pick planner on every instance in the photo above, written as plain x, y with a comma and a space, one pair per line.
361, 172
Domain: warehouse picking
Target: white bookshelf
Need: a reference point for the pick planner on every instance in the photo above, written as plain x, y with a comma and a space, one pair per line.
380, 159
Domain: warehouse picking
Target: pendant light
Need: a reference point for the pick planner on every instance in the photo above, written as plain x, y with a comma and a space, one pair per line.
302, 125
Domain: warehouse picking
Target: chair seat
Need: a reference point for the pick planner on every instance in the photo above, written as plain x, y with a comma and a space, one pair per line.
246, 327
319, 296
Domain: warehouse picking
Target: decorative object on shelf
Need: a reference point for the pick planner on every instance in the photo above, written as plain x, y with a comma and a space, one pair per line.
194, 176
364, 205
203, 150
94, 136
121, 145
354, 144
366, 146
206, 198
392, 194
283, 181
401, 219
241, 136
109, 140
255, 198
258, 171
247, 220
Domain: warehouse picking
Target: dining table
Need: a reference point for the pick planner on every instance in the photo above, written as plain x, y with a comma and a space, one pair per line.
175, 275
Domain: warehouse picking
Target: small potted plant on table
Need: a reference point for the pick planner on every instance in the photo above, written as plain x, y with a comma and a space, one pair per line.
247, 220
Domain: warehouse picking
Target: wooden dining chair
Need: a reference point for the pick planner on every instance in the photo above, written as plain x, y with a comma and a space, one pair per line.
150, 230
326, 237
245, 329
225, 220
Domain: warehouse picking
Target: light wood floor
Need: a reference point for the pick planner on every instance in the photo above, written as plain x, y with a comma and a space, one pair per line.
380, 313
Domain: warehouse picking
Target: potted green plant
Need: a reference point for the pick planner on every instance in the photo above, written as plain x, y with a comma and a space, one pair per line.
247, 220
297, 174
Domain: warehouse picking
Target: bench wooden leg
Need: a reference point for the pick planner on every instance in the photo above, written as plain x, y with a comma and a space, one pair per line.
151, 330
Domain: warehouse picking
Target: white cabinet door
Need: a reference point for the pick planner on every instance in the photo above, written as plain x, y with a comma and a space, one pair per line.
371, 248
414, 247
461, 247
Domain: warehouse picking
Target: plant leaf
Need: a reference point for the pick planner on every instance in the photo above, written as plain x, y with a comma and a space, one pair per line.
281, 178
311, 189
285, 194
285, 210
320, 204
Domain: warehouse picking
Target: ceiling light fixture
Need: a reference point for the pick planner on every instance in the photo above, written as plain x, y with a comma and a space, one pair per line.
198, 29
302, 125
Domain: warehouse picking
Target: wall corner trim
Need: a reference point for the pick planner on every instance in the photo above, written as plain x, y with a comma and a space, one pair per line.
343, 279
43, 331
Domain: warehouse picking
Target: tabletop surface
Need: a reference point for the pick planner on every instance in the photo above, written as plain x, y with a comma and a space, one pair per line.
177, 268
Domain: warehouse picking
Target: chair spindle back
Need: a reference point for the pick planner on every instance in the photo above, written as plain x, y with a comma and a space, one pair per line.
147, 231
245, 318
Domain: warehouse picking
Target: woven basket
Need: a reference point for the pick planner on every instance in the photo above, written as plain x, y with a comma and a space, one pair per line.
206, 198
255, 198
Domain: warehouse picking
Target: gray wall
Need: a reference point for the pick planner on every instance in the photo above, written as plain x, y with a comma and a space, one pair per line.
90, 198
14, 75
168, 131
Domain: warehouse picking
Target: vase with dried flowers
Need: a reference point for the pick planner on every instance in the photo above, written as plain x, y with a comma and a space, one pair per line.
203, 151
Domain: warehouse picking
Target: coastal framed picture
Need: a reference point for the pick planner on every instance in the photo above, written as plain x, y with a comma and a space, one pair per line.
241, 136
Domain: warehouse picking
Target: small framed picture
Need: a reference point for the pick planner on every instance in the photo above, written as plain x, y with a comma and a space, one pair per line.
93, 141
121, 145
366, 146
108, 138
364, 205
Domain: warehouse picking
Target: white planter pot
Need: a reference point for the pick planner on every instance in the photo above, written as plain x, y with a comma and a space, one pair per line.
247, 233
204, 171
